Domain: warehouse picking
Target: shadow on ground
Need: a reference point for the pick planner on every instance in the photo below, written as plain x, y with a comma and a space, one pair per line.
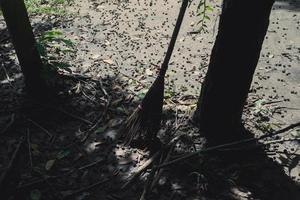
293, 5
232, 174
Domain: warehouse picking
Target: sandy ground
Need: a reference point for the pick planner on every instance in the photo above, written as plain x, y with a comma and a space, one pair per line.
133, 37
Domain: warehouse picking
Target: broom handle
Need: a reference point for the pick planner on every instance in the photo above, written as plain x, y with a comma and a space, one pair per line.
165, 64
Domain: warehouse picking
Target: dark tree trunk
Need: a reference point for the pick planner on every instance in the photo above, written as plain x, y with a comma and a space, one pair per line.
17, 20
242, 28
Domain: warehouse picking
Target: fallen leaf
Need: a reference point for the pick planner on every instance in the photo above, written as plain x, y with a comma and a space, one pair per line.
108, 61
95, 56
49, 164
149, 72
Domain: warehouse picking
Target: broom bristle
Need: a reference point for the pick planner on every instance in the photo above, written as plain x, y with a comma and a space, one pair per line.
132, 126
144, 123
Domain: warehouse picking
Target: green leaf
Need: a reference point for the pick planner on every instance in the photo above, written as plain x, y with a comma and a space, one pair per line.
100, 130
62, 154
35, 195
67, 42
209, 8
141, 95
207, 17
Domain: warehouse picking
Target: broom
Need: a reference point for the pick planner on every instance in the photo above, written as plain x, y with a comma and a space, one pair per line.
144, 122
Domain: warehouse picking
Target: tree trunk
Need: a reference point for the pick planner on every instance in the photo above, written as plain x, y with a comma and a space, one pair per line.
17, 21
242, 28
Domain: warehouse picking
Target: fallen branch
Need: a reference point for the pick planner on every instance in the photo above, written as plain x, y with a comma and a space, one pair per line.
231, 144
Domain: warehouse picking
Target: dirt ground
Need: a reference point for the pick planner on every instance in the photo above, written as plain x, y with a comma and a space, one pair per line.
70, 146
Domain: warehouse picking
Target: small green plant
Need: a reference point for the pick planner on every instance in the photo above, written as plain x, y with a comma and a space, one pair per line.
49, 7
203, 10
54, 50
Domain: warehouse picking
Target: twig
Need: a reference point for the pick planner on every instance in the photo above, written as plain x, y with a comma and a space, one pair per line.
140, 170
103, 89
282, 152
148, 184
93, 128
264, 103
160, 171
91, 164
108, 101
10, 174
9, 124
72, 115
72, 195
48, 178
281, 141
66, 113
218, 147
29, 147
40, 127
147, 164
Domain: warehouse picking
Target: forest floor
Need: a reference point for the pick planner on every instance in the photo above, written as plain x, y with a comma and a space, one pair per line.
68, 148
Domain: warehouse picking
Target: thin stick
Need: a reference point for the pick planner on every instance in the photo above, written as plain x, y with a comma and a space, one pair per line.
147, 164
72, 195
9, 124
48, 178
148, 184
10, 173
189, 155
93, 128
40, 127
160, 171
29, 147
140, 170
66, 113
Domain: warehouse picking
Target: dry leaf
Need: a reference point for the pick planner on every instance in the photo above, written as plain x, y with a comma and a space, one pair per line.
49, 164
149, 72
108, 61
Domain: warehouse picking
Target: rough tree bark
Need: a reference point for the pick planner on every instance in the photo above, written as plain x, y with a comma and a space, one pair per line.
18, 24
242, 28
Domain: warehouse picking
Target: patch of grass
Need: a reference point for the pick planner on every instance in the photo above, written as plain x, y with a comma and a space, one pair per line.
56, 51
48, 7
